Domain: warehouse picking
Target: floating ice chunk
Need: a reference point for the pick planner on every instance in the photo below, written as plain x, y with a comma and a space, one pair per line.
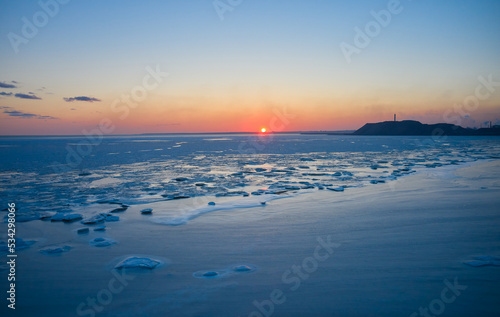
72, 217
146, 211
111, 218
181, 197
210, 274
23, 244
120, 209
102, 242
233, 193
55, 250
235, 269
111, 202
58, 217
100, 228
138, 263
102, 217
46, 215
82, 230
433, 165
336, 189
94, 219
243, 268
276, 192
66, 217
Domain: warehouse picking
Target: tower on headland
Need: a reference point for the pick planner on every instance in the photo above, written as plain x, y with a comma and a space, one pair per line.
394, 117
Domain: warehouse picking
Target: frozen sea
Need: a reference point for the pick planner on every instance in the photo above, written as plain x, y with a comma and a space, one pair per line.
252, 225
49, 175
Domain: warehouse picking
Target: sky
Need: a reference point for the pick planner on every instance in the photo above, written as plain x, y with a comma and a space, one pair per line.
70, 66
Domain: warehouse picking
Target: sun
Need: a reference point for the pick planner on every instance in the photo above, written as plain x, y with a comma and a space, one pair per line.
263, 130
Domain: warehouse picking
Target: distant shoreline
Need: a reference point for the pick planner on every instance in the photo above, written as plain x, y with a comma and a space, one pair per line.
416, 128
386, 128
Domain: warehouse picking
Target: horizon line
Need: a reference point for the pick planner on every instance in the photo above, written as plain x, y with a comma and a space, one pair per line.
162, 133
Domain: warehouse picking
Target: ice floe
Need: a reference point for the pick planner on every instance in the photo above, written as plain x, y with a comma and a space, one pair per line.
147, 211
83, 230
55, 250
138, 263
66, 217
102, 242
226, 272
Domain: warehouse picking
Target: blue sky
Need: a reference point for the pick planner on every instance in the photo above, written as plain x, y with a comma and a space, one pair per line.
263, 55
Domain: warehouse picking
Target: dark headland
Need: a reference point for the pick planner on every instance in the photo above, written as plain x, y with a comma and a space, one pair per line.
410, 127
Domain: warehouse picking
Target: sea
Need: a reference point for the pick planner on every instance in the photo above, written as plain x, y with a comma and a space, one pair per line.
52, 176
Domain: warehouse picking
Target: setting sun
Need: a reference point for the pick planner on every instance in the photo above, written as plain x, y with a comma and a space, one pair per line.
263, 130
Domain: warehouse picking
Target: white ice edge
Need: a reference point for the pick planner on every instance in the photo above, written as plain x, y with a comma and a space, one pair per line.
246, 202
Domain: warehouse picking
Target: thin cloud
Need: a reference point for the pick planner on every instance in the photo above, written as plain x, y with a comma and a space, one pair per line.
20, 114
15, 113
47, 117
27, 96
7, 85
81, 98
3, 93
